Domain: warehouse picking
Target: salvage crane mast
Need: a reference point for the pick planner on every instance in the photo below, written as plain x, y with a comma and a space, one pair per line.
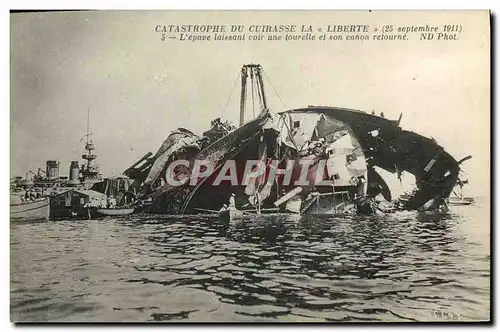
255, 73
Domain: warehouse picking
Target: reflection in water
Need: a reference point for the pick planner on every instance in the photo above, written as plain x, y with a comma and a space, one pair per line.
399, 267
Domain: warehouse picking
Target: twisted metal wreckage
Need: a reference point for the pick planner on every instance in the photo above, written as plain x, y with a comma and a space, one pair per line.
351, 143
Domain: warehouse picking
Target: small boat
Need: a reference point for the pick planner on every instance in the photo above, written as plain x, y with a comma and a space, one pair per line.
114, 212
35, 210
460, 200
230, 215
458, 197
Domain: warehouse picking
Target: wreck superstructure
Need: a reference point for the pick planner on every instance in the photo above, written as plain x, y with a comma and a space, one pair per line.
384, 144
344, 146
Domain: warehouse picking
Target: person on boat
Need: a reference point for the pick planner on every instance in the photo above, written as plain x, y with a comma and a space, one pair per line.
223, 208
232, 203
112, 202
94, 202
86, 206
21, 195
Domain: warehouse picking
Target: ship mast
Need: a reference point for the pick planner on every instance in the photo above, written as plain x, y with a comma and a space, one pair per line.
91, 171
88, 125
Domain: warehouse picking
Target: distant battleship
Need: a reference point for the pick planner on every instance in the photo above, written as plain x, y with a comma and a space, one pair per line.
46, 194
85, 177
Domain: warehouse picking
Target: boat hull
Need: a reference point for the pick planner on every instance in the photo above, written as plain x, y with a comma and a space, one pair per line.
37, 210
463, 201
114, 212
230, 215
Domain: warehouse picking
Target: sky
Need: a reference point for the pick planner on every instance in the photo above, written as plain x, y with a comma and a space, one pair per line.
63, 64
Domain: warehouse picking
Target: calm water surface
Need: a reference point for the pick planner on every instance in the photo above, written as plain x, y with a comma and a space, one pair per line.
406, 266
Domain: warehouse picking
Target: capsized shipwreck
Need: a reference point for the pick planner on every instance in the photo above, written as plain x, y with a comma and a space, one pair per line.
314, 160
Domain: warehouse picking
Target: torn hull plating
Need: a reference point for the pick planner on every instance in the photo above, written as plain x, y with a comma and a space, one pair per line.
351, 142
238, 145
396, 150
